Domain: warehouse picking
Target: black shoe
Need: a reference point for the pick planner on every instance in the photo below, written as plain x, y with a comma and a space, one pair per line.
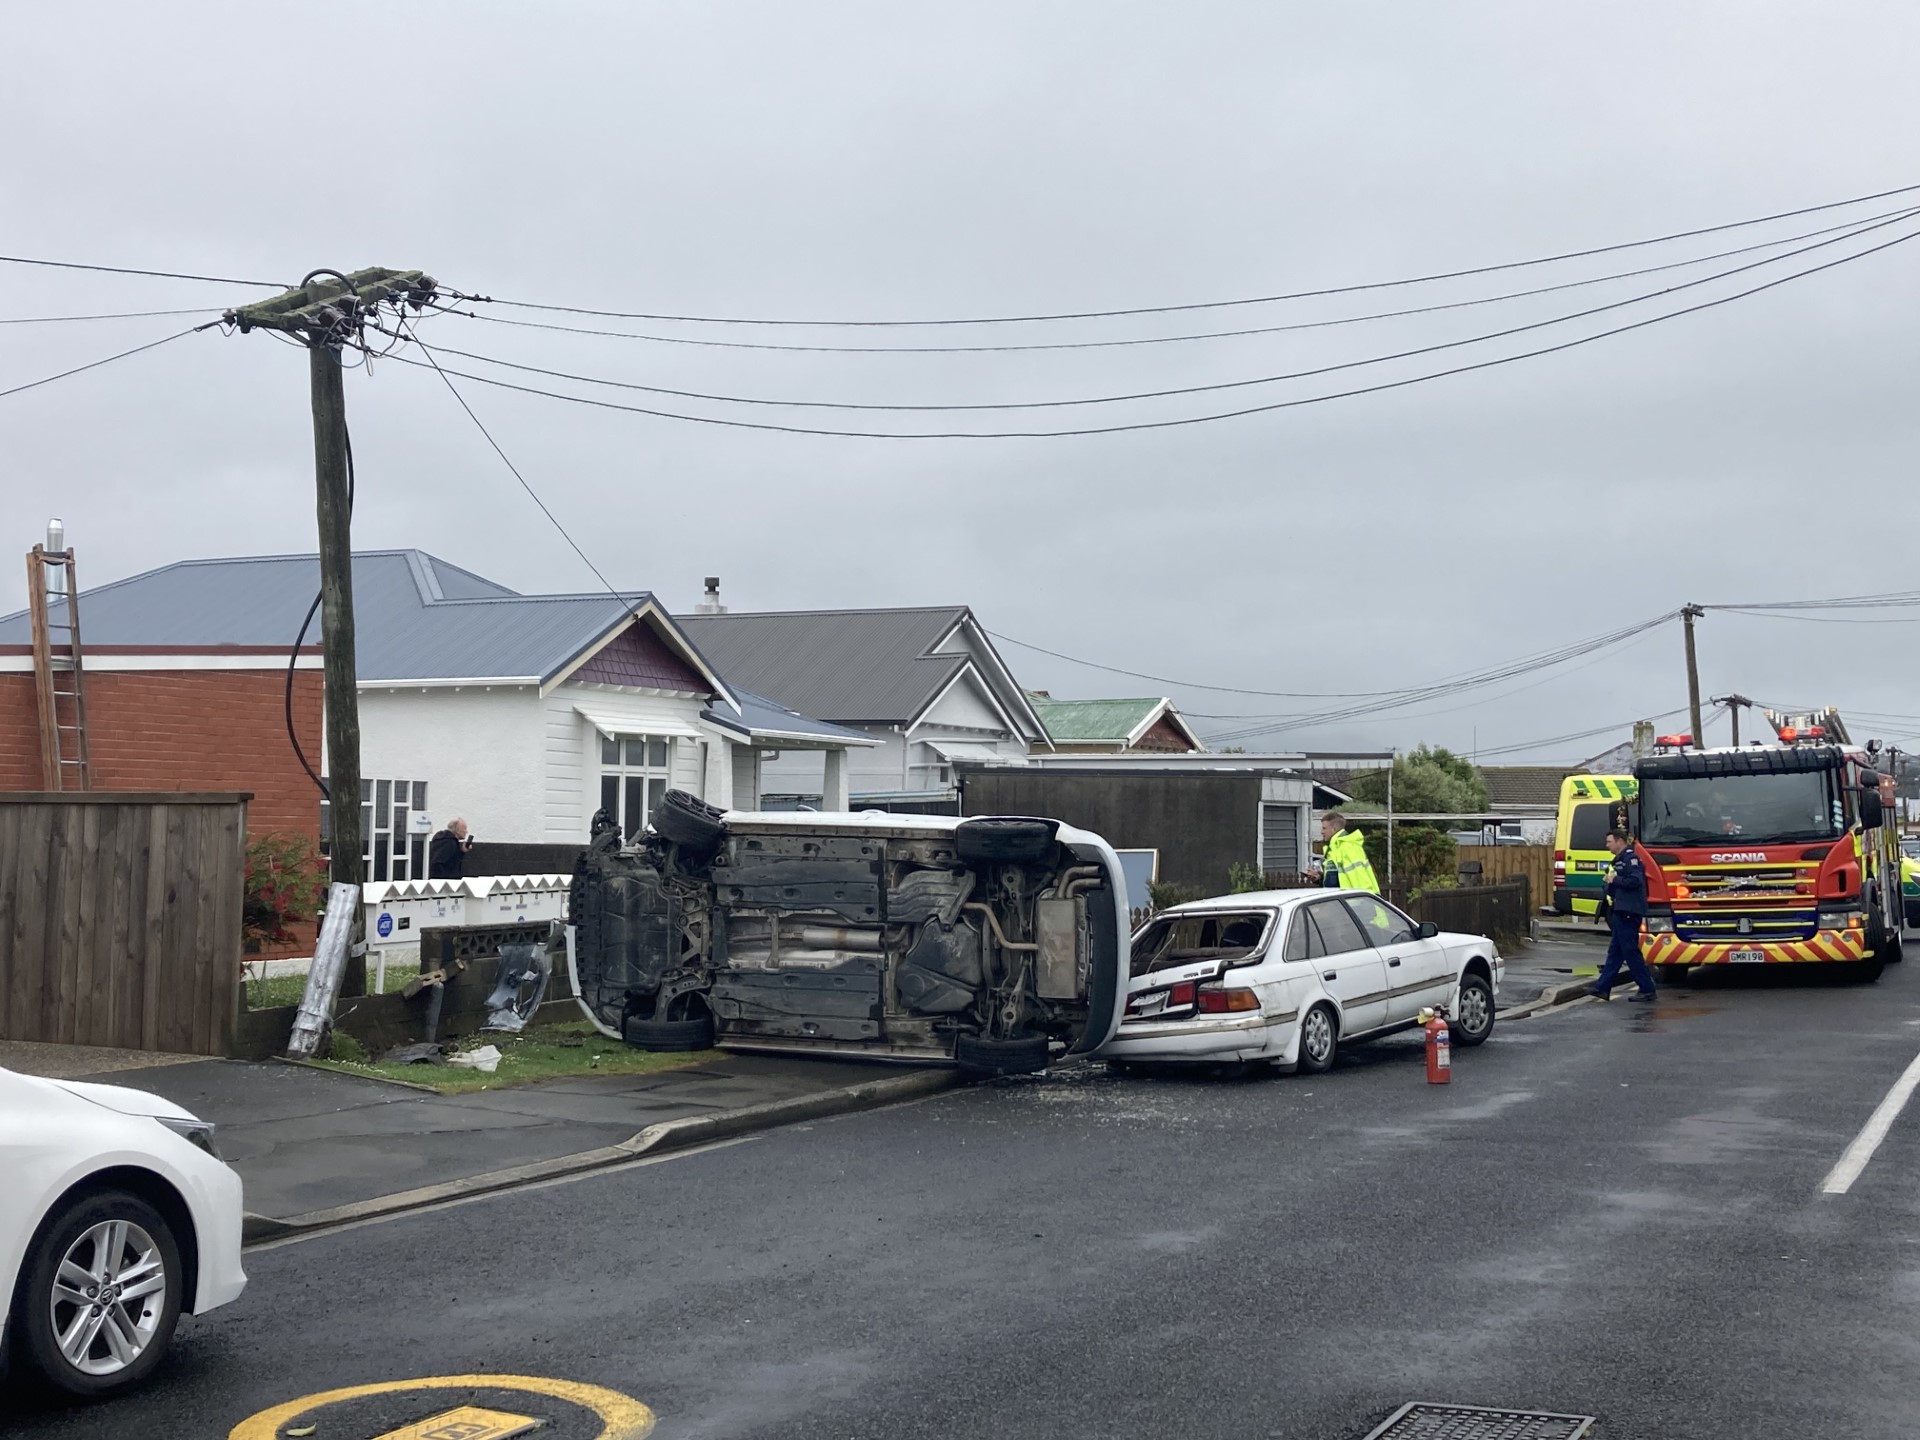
1597, 993
1640, 995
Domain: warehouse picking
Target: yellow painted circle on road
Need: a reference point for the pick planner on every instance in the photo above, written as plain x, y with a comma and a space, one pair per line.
622, 1418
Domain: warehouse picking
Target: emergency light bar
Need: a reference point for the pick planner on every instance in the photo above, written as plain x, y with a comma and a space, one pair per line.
1672, 742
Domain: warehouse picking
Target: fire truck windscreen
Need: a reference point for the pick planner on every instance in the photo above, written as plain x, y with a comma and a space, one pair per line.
1757, 807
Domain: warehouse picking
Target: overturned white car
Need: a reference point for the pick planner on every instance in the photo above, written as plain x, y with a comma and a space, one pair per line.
994, 943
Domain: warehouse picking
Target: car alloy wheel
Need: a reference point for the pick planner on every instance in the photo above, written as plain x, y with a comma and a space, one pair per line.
1475, 1009
1316, 1039
108, 1297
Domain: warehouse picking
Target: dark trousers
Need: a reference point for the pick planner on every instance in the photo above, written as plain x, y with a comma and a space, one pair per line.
1623, 948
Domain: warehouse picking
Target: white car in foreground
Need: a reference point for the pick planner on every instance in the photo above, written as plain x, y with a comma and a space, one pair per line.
117, 1216
1288, 976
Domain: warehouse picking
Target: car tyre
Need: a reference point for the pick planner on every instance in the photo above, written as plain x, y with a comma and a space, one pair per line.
1022, 1055
1866, 972
694, 1034
1893, 948
1673, 974
1319, 1040
1472, 1020
689, 821
1912, 908
106, 1234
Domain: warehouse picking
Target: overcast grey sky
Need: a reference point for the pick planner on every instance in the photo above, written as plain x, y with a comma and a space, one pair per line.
897, 161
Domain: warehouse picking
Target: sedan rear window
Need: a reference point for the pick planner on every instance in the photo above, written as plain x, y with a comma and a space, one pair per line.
1182, 939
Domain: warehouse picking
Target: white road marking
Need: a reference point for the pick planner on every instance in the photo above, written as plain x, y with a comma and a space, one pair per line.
1840, 1179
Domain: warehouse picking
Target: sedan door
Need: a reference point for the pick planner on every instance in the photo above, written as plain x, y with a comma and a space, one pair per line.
1350, 968
1418, 971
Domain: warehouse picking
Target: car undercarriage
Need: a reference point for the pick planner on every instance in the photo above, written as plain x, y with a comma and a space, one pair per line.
994, 942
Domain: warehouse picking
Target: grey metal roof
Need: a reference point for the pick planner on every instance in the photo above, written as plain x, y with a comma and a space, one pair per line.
416, 617
764, 719
847, 665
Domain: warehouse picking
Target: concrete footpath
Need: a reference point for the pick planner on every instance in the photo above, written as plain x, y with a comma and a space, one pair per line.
315, 1147
1537, 970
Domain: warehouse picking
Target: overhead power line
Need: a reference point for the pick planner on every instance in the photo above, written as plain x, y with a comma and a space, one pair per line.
1449, 688
1224, 304
531, 492
1174, 392
1520, 747
117, 315
106, 360
1181, 421
125, 270
1140, 340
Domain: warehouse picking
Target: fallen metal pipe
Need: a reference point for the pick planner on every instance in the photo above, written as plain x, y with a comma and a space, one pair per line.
324, 975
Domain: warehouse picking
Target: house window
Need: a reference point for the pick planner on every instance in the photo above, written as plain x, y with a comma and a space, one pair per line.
635, 771
392, 844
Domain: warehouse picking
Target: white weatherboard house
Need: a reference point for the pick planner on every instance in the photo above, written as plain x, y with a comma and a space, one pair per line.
524, 714
926, 686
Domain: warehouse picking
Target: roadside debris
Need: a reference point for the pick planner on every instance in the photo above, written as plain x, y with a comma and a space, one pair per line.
522, 985
324, 975
486, 1059
426, 1052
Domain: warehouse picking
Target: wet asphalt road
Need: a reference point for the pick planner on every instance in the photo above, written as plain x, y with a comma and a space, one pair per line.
1611, 1211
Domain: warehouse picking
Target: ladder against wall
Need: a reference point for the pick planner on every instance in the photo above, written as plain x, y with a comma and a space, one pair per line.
59, 680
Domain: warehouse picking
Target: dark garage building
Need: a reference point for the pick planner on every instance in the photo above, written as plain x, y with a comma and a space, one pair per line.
1203, 819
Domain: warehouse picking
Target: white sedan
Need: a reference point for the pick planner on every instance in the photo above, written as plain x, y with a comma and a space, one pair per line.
117, 1216
1288, 976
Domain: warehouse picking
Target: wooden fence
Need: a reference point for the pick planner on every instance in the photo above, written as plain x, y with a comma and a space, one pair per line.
1500, 863
120, 919
1501, 911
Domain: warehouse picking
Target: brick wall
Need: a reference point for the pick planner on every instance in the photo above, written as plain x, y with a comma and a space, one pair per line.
184, 730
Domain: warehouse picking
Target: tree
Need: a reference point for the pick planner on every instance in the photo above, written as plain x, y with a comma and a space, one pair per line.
1421, 854
1427, 780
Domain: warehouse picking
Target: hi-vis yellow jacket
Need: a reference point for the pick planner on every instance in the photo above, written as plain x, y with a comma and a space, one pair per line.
1346, 860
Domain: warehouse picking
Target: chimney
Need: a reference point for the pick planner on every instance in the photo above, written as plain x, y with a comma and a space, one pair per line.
57, 545
710, 602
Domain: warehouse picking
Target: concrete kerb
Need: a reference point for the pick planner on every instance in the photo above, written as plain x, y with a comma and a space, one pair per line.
654, 1140
1553, 997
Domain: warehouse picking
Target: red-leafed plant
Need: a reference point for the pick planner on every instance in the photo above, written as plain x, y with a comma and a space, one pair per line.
285, 879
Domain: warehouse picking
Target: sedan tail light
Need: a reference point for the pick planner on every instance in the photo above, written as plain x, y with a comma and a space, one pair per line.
1219, 1000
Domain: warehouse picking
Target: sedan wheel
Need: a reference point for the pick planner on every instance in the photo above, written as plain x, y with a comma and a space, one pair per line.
103, 1294
1319, 1039
1473, 1022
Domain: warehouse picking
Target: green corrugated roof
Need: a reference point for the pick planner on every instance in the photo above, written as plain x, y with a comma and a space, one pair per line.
1089, 720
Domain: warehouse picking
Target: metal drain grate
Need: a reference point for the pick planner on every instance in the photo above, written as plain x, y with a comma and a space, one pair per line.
1474, 1422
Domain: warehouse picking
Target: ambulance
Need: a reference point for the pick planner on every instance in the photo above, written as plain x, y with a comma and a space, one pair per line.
1590, 805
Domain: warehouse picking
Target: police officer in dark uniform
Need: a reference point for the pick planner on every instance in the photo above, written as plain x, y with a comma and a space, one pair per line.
1626, 907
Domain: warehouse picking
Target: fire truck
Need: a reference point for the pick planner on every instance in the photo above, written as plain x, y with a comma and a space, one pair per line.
1770, 854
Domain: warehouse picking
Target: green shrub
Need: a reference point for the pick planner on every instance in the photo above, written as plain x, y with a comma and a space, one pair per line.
1165, 895
1243, 878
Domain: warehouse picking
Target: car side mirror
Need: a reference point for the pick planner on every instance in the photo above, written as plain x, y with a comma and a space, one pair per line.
1427, 931
1871, 813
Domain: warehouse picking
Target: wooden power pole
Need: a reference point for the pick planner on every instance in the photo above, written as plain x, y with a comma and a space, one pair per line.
1688, 614
328, 312
1735, 704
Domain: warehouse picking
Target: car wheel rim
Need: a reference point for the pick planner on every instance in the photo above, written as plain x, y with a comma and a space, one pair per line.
108, 1296
1319, 1039
1473, 1009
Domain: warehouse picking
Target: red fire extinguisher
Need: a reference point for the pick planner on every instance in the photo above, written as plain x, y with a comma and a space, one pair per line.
1439, 1047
